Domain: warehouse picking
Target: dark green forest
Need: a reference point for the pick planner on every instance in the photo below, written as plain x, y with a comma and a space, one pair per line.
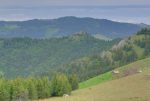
26, 56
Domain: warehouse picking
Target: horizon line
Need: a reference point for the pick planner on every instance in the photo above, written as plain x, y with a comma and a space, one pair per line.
30, 19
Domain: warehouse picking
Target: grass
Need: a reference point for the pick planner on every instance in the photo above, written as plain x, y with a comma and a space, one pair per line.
130, 88
96, 80
133, 68
143, 65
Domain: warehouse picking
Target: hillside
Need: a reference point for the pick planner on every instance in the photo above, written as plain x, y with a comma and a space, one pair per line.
131, 88
65, 26
79, 54
128, 50
25, 56
130, 69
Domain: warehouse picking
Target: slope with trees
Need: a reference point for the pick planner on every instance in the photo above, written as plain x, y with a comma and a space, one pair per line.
131, 88
25, 56
126, 51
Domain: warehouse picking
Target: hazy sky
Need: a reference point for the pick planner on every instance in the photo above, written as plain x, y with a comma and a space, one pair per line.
71, 2
120, 10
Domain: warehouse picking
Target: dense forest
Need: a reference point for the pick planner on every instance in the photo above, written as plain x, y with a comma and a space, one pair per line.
126, 51
72, 55
26, 56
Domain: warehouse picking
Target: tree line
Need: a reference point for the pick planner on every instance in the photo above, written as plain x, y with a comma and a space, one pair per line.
32, 88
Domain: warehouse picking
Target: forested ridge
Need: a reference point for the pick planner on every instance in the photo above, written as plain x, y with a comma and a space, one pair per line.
130, 49
64, 26
26, 56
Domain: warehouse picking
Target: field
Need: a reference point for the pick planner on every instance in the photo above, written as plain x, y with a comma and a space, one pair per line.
131, 88
96, 80
126, 70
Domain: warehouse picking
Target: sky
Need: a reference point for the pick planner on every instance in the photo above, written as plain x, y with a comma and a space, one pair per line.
134, 11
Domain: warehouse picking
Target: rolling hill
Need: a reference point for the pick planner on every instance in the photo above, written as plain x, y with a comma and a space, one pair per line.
80, 54
38, 28
131, 88
26, 56
128, 50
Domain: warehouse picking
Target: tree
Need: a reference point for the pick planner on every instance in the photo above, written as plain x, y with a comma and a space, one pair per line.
18, 90
147, 46
4, 90
31, 87
43, 87
73, 80
46, 87
144, 31
60, 85
132, 56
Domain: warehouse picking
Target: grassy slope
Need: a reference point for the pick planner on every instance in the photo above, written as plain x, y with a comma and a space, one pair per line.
138, 65
96, 80
131, 88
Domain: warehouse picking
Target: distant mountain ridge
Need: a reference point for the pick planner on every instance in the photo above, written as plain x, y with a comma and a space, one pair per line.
64, 26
